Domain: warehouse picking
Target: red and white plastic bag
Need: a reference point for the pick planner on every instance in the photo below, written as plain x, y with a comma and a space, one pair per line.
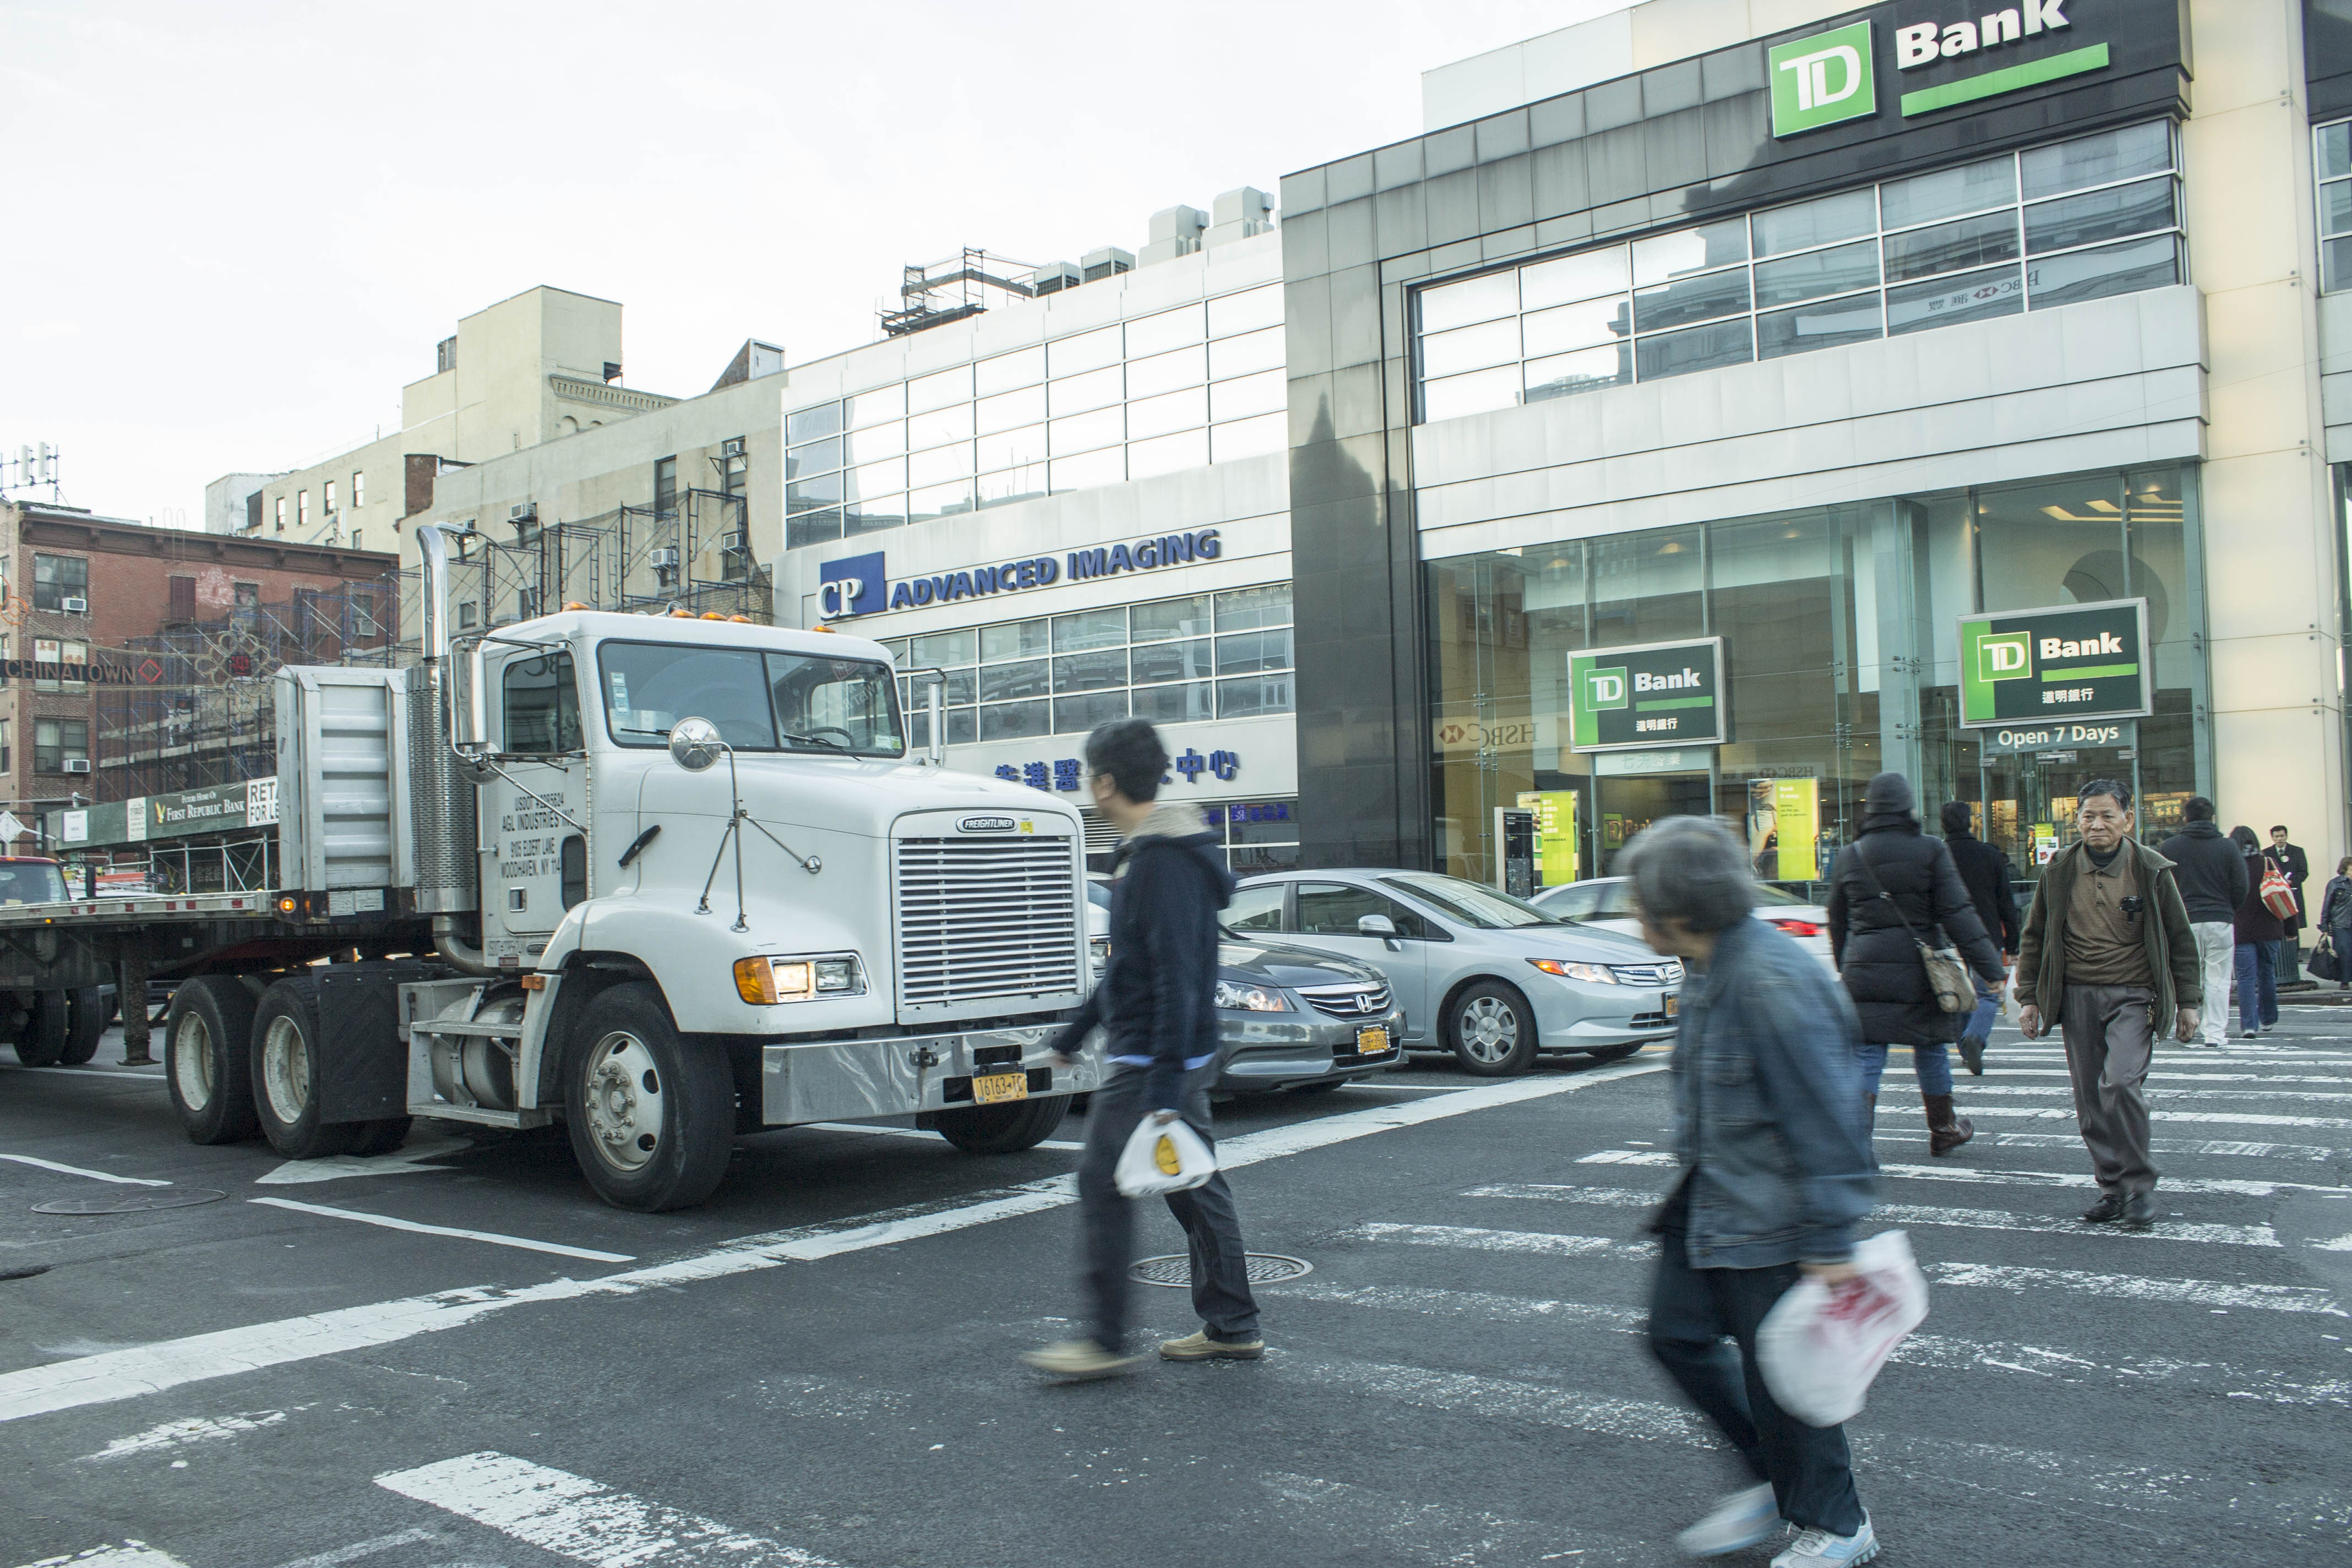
1820, 1346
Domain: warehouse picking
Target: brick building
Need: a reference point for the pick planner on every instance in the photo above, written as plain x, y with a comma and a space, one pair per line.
136, 659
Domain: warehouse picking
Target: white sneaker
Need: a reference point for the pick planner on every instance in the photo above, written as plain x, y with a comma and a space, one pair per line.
1819, 1549
1741, 1519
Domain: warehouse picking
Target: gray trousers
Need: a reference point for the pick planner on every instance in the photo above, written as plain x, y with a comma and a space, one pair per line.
2108, 1042
1221, 1291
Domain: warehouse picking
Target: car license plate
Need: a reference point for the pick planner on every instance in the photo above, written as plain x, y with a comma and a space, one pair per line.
1372, 1042
1674, 1004
995, 1087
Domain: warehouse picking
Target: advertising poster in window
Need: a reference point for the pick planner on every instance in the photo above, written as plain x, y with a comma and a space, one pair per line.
1556, 858
1646, 695
1784, 828
2065, 662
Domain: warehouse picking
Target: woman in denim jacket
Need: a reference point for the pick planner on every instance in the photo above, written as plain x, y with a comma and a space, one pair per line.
1775, 1174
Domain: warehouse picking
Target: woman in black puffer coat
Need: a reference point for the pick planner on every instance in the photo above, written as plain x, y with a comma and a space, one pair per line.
1880, 963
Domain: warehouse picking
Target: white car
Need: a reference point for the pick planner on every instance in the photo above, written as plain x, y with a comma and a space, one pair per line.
1608, 902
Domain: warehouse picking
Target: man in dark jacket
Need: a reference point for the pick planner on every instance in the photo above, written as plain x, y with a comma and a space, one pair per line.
1984, 873
2210, 873
2297, 866
1156, 1003
2107, 948
1891, 890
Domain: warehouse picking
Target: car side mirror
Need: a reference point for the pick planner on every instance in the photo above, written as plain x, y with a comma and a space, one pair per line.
1376, 925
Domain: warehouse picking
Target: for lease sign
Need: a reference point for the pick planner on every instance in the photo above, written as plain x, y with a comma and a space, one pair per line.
2062, 664
1648, 694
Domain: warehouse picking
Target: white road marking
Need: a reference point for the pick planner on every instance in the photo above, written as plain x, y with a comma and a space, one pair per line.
1629, 1157
180, 1433
150, 1075
130, 1374
2188, 1292
2230, 1184
868, 1127
1972, 1084
359, 1549
493, 1238
79, 1171
1441, 1534
401, 1162
2223, 1148
1507, 1399
1477, 1239
2160, 1096
574, 1516
129, 1555
2202, 1116
1914, 1214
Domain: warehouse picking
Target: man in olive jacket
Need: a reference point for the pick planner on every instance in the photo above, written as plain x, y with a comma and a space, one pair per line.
2108, 947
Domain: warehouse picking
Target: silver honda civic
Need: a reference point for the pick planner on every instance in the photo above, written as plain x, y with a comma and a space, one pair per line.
1488, 977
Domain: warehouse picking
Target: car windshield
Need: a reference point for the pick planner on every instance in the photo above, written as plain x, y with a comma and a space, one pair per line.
1468, 902
762, 702
31, 882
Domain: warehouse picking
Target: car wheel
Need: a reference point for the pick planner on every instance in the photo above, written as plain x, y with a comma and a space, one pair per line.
1492, 1030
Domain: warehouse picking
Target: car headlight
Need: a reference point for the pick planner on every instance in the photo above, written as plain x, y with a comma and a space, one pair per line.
1250, 998
1593, 973
763, 982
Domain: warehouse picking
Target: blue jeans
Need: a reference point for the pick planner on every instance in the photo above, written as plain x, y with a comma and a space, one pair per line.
2257, 985
1987, 1004
1932, 1063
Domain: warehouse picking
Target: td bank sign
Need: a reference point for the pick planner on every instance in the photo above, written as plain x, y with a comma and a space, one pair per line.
1651, 694
2064, 663
1831, 77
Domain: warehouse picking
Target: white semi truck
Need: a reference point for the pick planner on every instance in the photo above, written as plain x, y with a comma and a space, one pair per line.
661, 880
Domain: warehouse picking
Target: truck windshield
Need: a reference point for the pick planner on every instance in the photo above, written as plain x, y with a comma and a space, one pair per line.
30, 882
762, 702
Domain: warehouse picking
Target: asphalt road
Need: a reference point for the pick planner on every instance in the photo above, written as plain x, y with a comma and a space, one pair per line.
819, 1365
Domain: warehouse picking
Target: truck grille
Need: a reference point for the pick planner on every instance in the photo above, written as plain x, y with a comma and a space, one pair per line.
1349, 1001
986, 917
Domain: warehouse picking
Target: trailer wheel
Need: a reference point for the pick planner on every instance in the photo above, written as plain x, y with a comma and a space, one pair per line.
207, 1059
286, 1074
381, 1137
84, 1022
43, 1042
1003, 1128
652, 1120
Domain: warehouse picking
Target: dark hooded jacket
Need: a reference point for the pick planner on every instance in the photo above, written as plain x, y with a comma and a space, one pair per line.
1875, 956
2208, 869
1156, 1001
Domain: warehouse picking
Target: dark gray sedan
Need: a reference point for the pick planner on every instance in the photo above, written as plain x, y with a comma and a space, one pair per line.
1289, 1019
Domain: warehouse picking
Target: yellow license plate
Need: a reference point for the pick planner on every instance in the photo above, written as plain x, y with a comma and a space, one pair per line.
1674, 1006
1372, 1042
997, 1087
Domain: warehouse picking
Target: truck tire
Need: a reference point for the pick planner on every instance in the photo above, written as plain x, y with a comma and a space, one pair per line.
208, 1059
1003, 1128
1492, 1030
380, 1136
652, 1119
85, 1013
286, 1077
42, 1042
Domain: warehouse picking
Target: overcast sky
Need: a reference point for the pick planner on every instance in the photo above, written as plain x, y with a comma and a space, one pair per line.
233, 232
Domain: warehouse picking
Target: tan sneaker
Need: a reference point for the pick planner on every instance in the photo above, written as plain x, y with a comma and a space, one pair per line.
1199, 1346
1078, 1361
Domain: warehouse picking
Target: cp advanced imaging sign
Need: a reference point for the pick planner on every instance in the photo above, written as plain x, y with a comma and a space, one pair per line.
1828, 79
2066, 663
1651, 694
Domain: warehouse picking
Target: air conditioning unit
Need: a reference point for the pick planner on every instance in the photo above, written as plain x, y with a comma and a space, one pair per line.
76, 765
75, 606
525, 512
663, 559
735, 541
731, 448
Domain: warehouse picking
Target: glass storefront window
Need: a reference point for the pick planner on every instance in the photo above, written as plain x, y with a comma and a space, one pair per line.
2099, 214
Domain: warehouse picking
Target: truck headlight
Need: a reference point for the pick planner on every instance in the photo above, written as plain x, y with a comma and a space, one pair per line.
1250, 998
763, 982
1593, 973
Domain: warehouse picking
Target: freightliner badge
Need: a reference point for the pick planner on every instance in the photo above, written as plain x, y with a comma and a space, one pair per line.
1652, 694
2063, 663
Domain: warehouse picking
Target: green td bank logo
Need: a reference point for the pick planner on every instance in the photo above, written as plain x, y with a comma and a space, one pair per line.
1822, 81
1604, 690
2004, 655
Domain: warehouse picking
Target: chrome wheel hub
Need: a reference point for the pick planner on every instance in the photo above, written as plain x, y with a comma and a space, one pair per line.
623, 1097
286, 1069
1490, 1029
192, 1062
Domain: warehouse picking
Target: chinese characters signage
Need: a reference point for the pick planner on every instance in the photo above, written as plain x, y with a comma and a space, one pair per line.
1065, 774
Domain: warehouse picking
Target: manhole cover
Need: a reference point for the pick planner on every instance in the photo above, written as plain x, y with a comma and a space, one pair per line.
1265, 1268
133, 1203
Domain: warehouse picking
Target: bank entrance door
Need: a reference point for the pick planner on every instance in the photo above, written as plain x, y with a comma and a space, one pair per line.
1626, 800
2029, 798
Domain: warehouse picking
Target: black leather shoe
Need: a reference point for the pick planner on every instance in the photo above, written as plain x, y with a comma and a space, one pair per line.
2107, 1211
2139, 1212
1972, 1050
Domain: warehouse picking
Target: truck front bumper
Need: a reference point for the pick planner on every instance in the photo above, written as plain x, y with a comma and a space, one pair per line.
843, 1081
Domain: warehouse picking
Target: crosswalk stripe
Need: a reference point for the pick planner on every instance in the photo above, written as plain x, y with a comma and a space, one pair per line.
2168, 1076
2224, 1147
573, 1516
2232, 1186
2248, 1117
1914, 1214
2160, 1095
129, 1555
2191, 1292
1477, 1238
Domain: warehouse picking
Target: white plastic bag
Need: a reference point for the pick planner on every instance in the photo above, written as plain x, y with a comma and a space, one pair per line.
1820, 1346
1159, 1159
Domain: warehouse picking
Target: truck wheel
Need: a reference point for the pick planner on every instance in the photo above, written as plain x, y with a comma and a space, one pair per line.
1492, 1030
652, 1120
208, 1059
381, 1136
286, 1074
84, 1022
43, 1041
1003, 1128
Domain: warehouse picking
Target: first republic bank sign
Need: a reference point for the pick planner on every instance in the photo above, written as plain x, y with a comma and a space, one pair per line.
861, 586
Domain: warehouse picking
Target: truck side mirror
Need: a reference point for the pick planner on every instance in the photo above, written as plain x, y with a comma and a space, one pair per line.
695, 744
466, 714
1376, 925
